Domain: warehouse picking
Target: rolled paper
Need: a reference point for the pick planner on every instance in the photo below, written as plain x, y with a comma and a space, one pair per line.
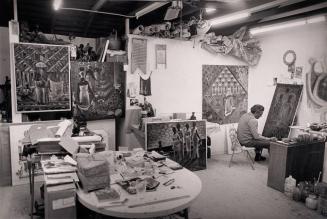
62, 127
138, 30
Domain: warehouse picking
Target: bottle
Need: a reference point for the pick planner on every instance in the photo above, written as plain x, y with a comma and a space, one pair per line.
290, 184
311, 202
297, 194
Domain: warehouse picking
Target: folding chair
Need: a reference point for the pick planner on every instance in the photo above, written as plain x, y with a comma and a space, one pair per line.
238, 148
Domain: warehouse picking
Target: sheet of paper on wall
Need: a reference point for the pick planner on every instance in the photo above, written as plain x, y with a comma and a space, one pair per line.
69, 144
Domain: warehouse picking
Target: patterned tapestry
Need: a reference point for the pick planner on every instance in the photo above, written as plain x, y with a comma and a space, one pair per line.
282, 110
224, 93
42, 77
98, 89
183, 141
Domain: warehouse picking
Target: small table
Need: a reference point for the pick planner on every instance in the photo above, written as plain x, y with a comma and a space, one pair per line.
304, 161
164, 201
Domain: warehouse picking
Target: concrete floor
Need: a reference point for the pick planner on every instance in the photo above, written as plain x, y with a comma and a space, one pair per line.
236, 192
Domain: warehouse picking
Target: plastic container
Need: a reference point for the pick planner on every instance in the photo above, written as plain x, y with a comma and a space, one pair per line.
289, 186
297, 194
311, 202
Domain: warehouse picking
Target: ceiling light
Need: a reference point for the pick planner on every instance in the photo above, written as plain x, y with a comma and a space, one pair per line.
57, 4
229, 18
151, 7
294, 23
210, 10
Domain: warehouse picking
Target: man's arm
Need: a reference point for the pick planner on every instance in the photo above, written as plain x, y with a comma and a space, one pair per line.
253, 123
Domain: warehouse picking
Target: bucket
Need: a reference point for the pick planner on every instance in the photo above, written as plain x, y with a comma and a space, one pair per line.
114, 41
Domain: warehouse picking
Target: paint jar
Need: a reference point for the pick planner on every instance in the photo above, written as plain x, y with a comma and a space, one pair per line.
311, 202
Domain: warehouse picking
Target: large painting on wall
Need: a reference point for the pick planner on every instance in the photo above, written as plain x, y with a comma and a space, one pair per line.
224, 93
42, 77
282, 110
183, 141
98, 89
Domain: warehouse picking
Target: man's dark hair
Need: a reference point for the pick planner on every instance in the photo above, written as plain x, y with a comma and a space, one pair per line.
257, 108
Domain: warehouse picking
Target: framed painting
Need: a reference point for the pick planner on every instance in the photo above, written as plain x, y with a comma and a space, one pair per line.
183, 141
224, 93
282, 110
42, 77
98, 89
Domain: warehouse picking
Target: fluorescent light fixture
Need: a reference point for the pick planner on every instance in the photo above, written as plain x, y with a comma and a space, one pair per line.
153, 6
210, 10
294, 23
229, 18
57, 4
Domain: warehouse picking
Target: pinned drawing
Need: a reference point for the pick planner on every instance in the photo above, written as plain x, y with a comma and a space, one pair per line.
224, 93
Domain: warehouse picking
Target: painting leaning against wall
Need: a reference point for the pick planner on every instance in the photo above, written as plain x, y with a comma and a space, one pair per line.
42, 77
98, 89
224, 93
183, 141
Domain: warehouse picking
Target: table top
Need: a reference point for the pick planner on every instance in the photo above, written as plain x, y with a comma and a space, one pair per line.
165, 200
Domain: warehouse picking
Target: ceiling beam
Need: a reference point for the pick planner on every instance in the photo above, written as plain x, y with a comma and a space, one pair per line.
96, 7
295, 12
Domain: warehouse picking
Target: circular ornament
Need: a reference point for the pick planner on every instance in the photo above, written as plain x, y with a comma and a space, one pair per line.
289, 57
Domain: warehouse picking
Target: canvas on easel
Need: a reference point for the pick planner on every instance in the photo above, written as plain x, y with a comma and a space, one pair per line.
282, 110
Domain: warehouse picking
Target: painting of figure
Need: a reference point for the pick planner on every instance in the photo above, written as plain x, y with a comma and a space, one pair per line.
98, 89
42, 77
183, 141
282, 110
224, 93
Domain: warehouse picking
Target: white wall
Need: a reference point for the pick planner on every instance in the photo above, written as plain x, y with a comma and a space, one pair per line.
178, 88
309, 41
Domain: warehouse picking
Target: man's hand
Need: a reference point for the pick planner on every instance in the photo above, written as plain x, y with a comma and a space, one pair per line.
273, 139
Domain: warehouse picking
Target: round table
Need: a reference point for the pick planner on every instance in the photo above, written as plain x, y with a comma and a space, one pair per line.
164, 201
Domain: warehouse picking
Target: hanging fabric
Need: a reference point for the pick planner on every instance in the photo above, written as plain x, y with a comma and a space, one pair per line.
145, 86
138, 56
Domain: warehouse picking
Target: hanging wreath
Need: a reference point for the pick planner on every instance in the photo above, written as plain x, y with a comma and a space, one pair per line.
289, 59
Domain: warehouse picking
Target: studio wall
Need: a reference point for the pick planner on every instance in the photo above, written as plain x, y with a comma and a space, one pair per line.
178, 87
308, 41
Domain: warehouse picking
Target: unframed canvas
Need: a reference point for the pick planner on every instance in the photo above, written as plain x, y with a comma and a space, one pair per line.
98, 89
193, 155
224, 93
42, 77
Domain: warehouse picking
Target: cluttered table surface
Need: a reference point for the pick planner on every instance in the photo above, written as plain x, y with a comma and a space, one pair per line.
169, 188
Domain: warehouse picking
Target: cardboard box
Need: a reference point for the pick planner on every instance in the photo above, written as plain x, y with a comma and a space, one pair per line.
60, 201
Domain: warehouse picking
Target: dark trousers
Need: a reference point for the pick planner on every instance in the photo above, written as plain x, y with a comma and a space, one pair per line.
258, 145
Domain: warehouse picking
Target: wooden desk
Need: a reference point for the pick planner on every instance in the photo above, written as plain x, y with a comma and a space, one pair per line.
303, 161
190, 186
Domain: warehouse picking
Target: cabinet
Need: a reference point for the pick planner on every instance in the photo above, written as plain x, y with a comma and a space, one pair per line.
303, 161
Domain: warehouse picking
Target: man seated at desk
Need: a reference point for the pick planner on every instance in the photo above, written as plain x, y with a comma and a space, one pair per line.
247, 132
